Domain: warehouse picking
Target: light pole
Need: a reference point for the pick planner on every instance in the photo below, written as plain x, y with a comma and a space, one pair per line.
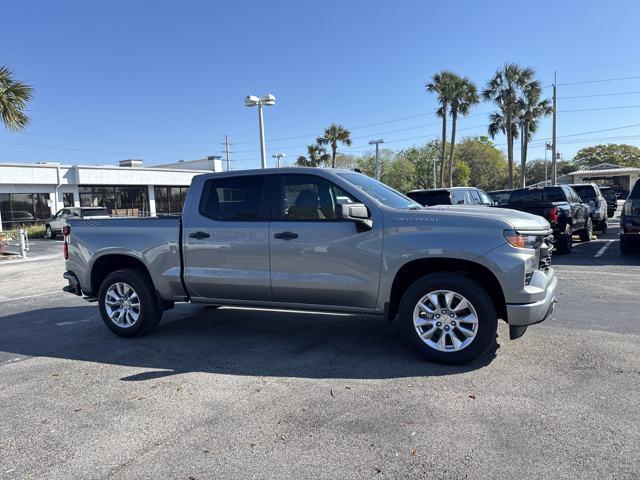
278, 156
377, 144
547, 147
252, 101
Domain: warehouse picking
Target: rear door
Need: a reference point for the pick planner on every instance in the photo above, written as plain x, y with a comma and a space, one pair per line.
226, 243
316, 258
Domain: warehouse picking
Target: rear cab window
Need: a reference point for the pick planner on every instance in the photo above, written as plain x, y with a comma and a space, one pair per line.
238, 198
434, 197
537, 195
585, 192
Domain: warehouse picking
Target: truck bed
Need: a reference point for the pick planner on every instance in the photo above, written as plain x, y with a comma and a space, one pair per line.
155, 241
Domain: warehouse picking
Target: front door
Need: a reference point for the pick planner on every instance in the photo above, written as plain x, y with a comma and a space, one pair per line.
317, 258
226, 242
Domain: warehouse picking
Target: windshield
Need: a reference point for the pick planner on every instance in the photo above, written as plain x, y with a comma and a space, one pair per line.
381, 192
585, 192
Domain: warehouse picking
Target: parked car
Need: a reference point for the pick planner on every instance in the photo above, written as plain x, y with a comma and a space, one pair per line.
322, 239
54, 224
590, 194
500, 197
561, 207
612, 200
630, 221
451, 196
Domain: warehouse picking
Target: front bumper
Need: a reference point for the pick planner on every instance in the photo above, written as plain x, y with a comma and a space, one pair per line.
523, 314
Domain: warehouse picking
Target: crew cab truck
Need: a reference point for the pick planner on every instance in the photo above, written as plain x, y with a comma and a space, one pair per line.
561, 207
323, 240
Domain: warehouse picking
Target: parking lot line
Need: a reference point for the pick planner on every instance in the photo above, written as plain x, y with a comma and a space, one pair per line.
600, 252
29, 296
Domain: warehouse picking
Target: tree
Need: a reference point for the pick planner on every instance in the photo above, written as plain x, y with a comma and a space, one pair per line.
532, 108
367, 163
422, 159
441, 84
464, 95
14, 97
504, 90
536, 170
333, 135
316, 156
487, 164
400, 174
614, 153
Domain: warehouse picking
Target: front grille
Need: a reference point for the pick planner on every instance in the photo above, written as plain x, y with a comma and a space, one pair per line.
546, 251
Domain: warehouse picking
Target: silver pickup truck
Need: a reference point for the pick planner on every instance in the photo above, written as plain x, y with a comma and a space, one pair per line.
323, 240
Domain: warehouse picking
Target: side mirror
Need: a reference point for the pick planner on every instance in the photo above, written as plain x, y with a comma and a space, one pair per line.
358, 213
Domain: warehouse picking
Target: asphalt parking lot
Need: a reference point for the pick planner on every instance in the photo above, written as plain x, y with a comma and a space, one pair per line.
234, 393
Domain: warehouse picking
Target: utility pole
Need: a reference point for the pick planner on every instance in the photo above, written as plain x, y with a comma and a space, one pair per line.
377, 144
226, 148
554, 146
547, 147
434, 174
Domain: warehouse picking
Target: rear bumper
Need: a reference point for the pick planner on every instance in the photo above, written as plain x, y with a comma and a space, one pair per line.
529, 313
74, 284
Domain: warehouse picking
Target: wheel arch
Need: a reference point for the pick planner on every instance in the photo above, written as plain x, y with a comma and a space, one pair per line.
415, 269
111, 262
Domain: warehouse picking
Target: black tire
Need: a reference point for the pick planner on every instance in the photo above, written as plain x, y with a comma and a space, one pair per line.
564, 242
49, 233
625, 245
587, 231
470, 289
149, 312
603, 227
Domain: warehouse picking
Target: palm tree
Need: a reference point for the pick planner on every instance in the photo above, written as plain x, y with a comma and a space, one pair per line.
14, 96
333, 135
532, 108
504, 90
316, 156
441, 84
464, 95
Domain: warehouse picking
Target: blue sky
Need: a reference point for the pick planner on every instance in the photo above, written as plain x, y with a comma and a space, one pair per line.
165, 80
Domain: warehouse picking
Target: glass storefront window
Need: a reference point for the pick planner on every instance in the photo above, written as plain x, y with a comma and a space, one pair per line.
130, 200
67, 199
23, 208
170, 200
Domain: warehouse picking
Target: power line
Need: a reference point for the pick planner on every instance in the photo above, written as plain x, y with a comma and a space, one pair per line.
599, 81
599, 95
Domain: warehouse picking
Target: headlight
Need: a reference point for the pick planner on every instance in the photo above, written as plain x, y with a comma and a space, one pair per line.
523, 241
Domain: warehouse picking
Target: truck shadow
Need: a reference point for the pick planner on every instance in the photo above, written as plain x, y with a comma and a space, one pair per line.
227, 341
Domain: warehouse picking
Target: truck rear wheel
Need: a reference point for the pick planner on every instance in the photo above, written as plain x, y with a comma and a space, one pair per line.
448, 318
128, 303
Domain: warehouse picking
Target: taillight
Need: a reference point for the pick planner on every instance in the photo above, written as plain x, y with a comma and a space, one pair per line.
66, 231
552, 214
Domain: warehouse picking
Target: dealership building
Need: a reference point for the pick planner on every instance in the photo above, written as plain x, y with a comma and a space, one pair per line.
31, 193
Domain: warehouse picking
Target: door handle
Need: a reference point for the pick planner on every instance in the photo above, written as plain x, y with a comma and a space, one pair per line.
285, 235
199, 235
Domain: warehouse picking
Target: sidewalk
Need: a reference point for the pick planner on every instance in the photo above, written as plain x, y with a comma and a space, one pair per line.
39, 249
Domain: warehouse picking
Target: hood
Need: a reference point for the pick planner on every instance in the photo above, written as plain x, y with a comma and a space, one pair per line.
518, 220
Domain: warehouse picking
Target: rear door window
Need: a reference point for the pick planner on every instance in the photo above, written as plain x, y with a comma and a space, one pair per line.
235, 199
457, 197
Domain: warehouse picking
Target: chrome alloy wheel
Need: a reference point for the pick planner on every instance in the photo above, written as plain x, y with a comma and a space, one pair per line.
445, 321
122, 305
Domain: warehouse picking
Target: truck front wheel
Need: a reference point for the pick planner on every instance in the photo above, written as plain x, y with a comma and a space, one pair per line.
448, 318
128, 304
